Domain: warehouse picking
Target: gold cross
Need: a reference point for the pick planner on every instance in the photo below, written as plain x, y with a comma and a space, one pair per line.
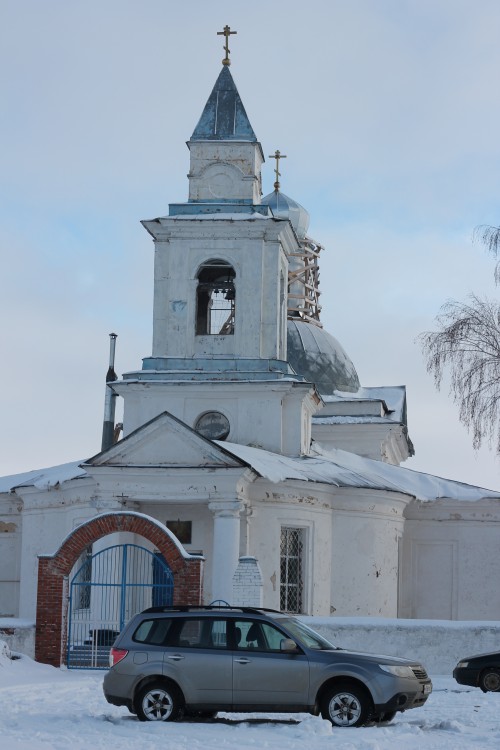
277, 155
227, 33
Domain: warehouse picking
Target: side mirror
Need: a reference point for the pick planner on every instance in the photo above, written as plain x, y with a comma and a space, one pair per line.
287, 644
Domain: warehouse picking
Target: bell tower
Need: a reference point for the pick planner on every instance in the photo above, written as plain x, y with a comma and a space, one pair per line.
221, 258
225, 156
219, 354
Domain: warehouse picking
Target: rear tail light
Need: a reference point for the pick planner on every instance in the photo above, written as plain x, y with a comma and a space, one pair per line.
116, 655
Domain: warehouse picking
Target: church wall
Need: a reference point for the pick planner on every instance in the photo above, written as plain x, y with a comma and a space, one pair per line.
450, 562
173, 301
275, 506
198, 514
201, 530
381, 442
181, 249
48, 516
10, 555
263, 415
224, 168
366, 528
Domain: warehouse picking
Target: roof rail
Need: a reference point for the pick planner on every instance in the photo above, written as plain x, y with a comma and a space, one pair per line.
209, 608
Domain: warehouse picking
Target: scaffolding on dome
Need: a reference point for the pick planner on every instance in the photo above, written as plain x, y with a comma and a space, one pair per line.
303, 283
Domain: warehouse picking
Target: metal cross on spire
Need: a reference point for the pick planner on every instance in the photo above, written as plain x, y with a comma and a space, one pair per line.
227, 33
277, 155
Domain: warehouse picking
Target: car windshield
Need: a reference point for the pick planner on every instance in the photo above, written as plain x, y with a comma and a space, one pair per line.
306, 636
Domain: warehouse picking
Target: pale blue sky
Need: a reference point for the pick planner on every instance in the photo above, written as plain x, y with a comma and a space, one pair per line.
388, 112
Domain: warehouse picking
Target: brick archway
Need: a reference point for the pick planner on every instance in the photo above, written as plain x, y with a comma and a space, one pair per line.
53, 572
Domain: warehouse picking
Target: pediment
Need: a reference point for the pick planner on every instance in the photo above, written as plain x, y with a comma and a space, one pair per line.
165, 441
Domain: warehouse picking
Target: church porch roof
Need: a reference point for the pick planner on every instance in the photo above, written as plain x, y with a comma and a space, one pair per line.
334, 466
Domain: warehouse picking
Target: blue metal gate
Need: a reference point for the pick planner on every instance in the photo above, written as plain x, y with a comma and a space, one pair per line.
107, 589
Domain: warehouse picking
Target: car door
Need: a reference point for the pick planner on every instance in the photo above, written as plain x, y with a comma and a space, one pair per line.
198, 659
264, 676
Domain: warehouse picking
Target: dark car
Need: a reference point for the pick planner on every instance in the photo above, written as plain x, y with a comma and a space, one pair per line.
195, 661
482, 670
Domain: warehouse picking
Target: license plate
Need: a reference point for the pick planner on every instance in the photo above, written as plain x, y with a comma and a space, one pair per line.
427, 689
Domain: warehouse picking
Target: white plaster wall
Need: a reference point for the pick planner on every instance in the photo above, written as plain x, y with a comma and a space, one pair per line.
10, 554
276, 506
450, 563
257, 252
385, 442
266, 414
202, 532
47, 519
366, 528
238, 162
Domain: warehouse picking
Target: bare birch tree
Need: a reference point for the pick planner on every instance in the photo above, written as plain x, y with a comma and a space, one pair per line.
490, 237
467, 342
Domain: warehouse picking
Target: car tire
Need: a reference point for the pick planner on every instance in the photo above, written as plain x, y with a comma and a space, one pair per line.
346, 705
158, 701
489, 681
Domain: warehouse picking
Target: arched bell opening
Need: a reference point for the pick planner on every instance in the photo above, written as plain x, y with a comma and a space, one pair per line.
215, 299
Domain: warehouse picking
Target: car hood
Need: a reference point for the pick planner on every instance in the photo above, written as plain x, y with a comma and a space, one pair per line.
490, 655
374, 658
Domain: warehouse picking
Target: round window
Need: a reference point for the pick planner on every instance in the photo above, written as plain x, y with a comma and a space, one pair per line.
213, 425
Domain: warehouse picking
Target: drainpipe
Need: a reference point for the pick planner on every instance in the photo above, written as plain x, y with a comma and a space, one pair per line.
108, 426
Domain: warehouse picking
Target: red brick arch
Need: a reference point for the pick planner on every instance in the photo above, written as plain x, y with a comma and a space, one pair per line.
53, 572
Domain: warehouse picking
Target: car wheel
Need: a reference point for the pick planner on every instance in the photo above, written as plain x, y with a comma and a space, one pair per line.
490, 680
158, 701
346, 705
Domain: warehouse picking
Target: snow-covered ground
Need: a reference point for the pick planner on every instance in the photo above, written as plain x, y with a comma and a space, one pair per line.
45, 708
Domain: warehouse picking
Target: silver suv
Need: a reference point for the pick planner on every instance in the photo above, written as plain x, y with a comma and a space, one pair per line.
195, 661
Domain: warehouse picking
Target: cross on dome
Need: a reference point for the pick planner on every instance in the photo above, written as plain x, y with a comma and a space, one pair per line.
227, 33
277, 155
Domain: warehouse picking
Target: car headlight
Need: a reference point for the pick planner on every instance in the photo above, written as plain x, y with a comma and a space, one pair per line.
462, 664
397, 671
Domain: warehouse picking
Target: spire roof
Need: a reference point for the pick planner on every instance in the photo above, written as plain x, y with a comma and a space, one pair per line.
224, 117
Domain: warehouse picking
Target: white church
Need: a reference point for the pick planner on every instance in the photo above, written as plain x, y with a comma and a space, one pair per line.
251, 466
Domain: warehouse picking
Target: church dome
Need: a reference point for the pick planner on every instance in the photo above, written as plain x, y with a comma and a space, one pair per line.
320, 359
284, 207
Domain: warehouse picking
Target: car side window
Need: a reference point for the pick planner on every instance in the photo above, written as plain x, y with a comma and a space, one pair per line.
256, 635
202, 633
273, 636
153, 632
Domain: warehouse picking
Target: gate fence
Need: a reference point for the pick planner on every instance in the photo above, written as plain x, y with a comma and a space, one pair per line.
107, 589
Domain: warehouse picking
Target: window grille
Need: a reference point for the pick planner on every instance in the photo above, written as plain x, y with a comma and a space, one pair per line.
291, 570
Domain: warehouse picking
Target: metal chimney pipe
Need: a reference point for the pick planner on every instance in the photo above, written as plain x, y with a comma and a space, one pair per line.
108, 426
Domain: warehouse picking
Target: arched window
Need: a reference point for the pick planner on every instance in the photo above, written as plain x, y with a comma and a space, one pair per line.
215, 299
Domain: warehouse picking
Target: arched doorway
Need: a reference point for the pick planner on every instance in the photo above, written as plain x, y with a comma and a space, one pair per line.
107, 589
54, 572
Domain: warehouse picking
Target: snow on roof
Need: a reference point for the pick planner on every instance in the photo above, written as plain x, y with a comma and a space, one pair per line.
329, 466
43, 478
394, 397
343, 469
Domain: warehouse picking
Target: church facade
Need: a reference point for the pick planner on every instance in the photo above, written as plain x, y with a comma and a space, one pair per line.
251, 456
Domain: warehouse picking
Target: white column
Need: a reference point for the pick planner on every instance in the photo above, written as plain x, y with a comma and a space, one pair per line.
226, 547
